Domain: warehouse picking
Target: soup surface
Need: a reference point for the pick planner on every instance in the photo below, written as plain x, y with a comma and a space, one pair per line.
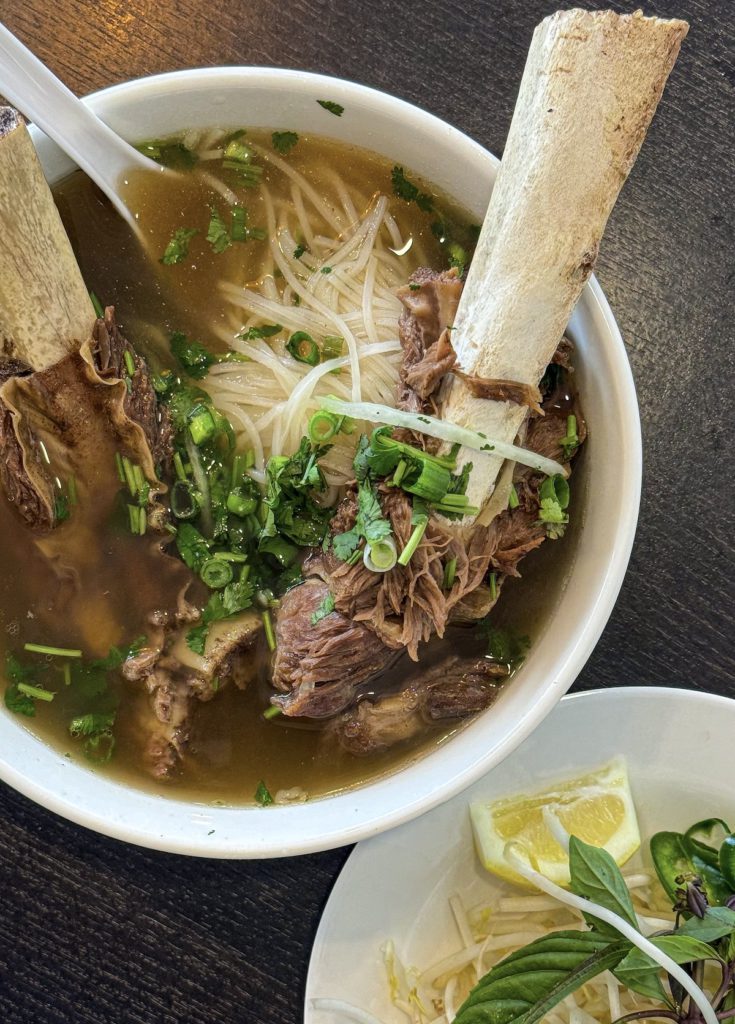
310, 210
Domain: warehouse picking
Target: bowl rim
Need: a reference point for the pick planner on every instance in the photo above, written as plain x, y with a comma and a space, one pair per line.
386, 802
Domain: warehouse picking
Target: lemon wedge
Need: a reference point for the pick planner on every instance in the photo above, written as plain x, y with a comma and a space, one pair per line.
597, 808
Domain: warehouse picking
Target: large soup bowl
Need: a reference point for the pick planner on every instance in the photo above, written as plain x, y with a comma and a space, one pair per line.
606, 497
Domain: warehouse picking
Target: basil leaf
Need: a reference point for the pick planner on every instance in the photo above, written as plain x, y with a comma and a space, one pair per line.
727, 860
643, 975
671, 859
716, 924
529, 983
595, 876
706, 829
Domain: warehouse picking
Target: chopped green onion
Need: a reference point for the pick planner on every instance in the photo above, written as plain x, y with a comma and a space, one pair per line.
67, 674
303, 348
239, 465
241, 504
216, 573
129, 362
202, 424
179, 467
450, 571
454, 500
249, 458
129, 475
184, 504
442, 429
37, 692
571, 440
326, 270
238, 151
72, 487
239, 224
431, 483
270, 635
56, 652
399, 473
140, 480
231, 556
413, 541
513, 501
133, 521
556, 488
381, 556
323, 426
272, 712
493, 586
98, 307
120, 467
142, 521
332, 346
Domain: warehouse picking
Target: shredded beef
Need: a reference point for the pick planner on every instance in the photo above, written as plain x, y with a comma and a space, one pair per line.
454, 688
16, 483
321, 662
503, 391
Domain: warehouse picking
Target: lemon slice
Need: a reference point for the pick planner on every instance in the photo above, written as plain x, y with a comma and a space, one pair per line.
597, 808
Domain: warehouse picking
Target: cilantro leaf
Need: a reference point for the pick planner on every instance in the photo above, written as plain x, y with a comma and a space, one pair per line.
18, 702
194, 358
262, 795
217, 234
292, 512
299, 251
345, 544
192, 546
264, 331
178, 247
325, 608
370, 521
196, 639
284, 142
505, 646
409, 192
334, 108
169, 154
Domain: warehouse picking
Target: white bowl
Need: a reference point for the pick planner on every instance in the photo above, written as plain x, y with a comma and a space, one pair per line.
258, 97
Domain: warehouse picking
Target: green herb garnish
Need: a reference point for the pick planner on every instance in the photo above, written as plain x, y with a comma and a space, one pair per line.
178, 248
303, 348
168, 153
570, 442
262, 795
217, 234
284, 142
193, 357
406, 190
325, 608
264, 331
334, 108
554, 499
299, 251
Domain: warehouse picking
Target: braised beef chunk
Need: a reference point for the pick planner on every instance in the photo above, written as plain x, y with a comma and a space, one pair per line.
454, 688
321, 658
503, 391
141, 405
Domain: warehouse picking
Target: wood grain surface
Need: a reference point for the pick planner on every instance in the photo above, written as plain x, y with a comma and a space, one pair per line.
93, 931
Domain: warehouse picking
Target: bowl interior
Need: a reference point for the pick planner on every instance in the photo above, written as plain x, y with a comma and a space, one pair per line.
274, 98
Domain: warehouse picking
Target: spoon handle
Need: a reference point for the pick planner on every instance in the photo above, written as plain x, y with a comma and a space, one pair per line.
29, 85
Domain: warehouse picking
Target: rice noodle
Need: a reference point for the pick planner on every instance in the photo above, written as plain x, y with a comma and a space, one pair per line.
270, 398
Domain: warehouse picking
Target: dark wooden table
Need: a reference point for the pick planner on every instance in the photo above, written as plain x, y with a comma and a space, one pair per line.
95, 931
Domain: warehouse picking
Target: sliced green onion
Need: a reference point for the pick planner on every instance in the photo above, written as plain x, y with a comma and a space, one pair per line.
241, 504
98, 308
72, 488
67, 674
184, 504
413, 542
303, 348
238, 151
513, 501
239, 230
179, 467
56, 652
142, 521
556, 488
272, 712
270, 635
431, 484
493, 586
454, 501
450, 571
239, 465
216, 573
133, 521
202, 424
382, 556
120, 467
37, 692
249, 458
230, 556
323, 426
140, 480
332, 346
399, 473
129, 362
571, 440
129, 475
443, 430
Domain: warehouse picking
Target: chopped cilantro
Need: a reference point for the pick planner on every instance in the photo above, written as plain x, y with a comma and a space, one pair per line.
324, 609
284, 142
217, 234
370, 523
405, 189
554, 495
504, 646
262, 795
334, 108
299, 251
292, 511
178, 248
196, 638
194, 358
192, 546
96, 730
169, 153
326, 270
